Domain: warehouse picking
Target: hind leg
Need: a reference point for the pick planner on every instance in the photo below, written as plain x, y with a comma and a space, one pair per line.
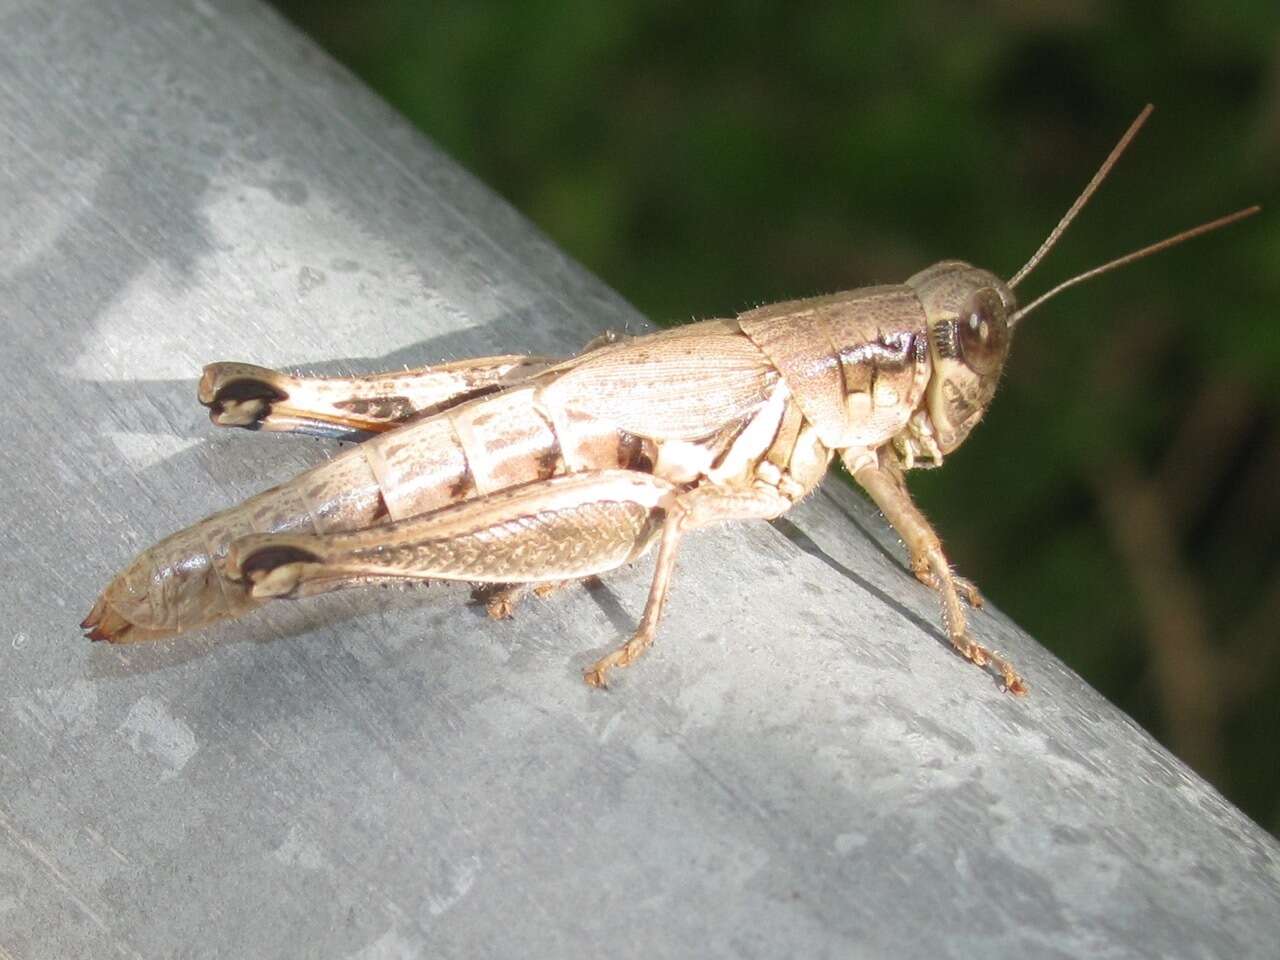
244, 395
568, 527
565, 528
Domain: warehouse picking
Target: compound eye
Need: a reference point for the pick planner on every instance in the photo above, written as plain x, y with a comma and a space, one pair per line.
981, 332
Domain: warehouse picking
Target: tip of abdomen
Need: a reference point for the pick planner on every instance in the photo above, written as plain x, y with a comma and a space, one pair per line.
151, 600
106, 623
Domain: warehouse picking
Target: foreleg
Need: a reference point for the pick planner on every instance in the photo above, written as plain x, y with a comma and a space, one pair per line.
887, 488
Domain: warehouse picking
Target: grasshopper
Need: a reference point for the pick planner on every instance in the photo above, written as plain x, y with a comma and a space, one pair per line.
521, 472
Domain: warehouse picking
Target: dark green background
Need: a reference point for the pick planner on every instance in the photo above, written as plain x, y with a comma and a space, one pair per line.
1120, 500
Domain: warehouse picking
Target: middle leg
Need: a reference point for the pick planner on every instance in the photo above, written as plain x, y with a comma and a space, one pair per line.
699, 507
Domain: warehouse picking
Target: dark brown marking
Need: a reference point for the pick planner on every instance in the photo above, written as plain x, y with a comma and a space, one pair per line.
550, 461
891, 351
247, 388
378, 408
919, 347
636, 453
464, 485
947, 338
244, 402
842, 369
457, 400
961, 403
727, 437
267, 559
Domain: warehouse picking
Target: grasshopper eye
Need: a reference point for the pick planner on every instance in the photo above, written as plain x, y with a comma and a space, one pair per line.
982, 335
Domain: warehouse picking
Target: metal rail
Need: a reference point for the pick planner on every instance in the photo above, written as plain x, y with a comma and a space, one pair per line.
801, 768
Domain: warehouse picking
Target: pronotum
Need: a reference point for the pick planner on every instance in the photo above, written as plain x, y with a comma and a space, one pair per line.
518, 471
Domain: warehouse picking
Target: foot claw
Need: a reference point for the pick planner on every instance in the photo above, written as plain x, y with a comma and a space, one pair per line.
1015, 685
500, 608
622, 657
969, 590
980, 656
596, 675
499, 599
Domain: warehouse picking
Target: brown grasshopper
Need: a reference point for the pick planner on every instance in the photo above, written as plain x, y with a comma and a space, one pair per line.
517, 471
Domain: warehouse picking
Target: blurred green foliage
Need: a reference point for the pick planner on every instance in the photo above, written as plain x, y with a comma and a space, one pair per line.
705, 158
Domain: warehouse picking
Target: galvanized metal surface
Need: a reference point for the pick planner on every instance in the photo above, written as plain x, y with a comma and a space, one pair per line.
800, 768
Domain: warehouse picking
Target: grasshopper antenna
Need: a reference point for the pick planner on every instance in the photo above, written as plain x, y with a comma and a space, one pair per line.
1081, 200
1135, 255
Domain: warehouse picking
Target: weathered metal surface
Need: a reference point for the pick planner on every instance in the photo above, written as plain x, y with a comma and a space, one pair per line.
801, 768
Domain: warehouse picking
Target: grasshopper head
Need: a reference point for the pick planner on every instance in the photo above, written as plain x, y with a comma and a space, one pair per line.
971, 313
968, 312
